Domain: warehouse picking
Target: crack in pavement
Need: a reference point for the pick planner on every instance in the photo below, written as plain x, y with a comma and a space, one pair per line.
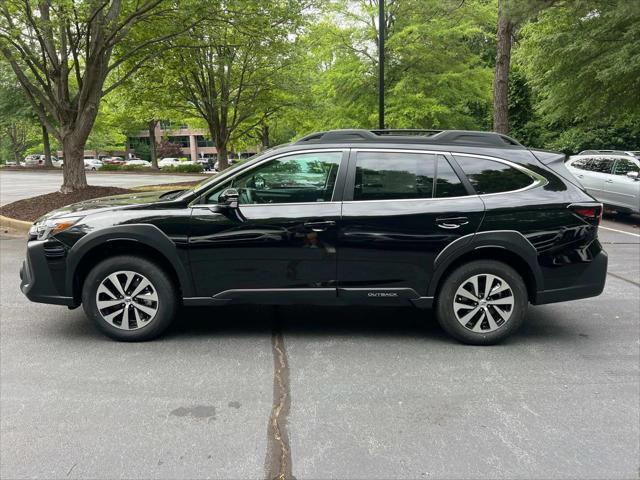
620, 277
278, 460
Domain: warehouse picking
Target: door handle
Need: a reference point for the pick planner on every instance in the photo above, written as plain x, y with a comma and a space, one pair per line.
580, 176
451, 223
320, 226
609, 181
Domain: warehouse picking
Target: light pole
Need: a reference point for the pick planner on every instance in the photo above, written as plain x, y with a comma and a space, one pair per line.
381, 25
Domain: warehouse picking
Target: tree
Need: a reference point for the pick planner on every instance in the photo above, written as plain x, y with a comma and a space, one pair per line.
512, 14
501, 78
582, 61
15, 114
62, 53
228, 67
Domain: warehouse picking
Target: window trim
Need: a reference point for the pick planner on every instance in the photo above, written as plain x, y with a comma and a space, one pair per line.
537, 180
337, 188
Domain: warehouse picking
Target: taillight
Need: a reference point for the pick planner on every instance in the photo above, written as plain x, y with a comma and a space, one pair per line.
591, 212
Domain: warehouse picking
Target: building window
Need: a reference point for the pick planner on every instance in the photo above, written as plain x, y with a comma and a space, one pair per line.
204, 142
182, 140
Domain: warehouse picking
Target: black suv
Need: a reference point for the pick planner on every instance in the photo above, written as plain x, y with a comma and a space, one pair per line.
470, 223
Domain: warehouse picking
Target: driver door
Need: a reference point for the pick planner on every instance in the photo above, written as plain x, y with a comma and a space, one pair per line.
280, 242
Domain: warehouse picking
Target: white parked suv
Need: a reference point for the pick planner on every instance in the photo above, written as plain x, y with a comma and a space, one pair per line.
612, 179
92, 164
138, 161
168, 162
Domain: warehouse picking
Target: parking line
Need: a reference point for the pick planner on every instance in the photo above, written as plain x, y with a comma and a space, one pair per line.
620, 231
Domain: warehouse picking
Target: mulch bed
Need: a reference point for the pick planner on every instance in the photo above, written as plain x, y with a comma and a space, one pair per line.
30, 209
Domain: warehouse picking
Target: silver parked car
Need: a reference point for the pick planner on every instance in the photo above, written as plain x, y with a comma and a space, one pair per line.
612, 179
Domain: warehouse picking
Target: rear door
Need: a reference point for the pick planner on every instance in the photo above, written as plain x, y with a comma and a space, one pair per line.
401, 209
623, 190
598, 169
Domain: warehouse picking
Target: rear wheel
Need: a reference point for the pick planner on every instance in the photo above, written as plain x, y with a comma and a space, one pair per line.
482, 302
129, 298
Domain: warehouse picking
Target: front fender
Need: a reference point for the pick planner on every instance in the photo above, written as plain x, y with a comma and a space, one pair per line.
146, 234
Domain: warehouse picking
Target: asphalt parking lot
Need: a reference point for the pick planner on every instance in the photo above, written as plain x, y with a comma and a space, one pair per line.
16, 185
357, 392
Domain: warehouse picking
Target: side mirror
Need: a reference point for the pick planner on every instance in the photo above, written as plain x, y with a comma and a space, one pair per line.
229, 198
633, 175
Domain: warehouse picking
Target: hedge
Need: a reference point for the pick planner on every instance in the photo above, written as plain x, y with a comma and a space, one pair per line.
188, 168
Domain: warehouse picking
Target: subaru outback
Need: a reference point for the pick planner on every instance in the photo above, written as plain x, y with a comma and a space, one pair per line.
471, 224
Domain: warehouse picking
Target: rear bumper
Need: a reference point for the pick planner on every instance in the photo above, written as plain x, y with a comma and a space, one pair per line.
590, 283
40, 278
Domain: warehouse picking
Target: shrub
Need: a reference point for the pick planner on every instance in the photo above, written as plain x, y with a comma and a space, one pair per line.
107, 167
126, 168
187, 168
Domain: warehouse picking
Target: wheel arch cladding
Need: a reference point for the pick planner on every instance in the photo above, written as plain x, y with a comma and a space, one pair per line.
144, 240
508, 246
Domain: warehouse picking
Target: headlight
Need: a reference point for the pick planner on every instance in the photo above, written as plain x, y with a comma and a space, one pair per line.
43, 230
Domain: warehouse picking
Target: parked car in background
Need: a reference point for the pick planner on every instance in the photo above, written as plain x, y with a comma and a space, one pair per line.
113, 161
92, 164
631, 153
612, 179
138, 161
58, 163
10, 163
207, 163
33, 161
168, 162
38, 160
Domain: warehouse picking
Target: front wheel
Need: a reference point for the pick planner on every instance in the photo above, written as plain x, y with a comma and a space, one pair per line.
482, 302
129, 298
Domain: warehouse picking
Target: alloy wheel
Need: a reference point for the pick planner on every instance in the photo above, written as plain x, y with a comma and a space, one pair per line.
127, 300
483, 303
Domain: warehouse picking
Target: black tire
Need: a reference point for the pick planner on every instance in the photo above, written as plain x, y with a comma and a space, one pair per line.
460, 276
161, 283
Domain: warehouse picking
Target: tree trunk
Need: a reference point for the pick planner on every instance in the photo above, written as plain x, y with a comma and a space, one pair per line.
47, 147
74, 176
264, 136
153, 145
222, 155
501, 80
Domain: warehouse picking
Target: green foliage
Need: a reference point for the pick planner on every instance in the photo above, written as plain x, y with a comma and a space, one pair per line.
107, 167
583, 60
188, 168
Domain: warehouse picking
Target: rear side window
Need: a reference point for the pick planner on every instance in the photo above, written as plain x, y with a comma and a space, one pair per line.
488, 176
393, 175
602, 165
580, 163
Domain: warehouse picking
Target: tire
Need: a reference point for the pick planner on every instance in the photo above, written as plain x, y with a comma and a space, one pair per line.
493, 320
150, 308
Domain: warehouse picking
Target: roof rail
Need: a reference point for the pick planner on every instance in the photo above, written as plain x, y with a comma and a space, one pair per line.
459, 137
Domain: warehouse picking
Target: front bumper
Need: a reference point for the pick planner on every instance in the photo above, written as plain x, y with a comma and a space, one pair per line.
588, 283
42, 277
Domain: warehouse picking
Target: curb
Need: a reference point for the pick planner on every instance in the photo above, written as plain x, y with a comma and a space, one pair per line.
19, 225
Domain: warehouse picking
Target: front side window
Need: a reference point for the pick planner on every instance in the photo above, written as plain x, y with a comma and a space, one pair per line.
624, 166
298, 178
393, 175
489, 176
